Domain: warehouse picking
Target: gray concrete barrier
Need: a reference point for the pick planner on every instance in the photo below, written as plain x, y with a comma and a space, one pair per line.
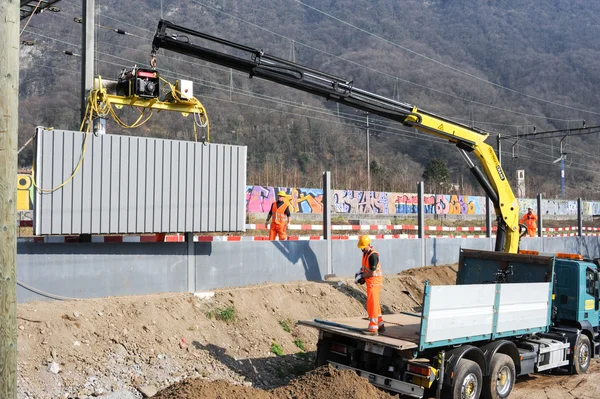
92, 270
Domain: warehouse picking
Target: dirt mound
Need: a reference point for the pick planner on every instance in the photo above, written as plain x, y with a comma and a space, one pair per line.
246, 336
242, 342
198, 388
324, 382
327, 382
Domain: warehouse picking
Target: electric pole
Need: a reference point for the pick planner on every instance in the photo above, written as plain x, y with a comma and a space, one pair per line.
368, 158
9, 100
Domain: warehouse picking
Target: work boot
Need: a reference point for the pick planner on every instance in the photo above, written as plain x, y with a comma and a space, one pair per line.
370, 332
381, 329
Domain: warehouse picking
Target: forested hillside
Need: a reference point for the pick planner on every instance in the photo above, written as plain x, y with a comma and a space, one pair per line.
503, 66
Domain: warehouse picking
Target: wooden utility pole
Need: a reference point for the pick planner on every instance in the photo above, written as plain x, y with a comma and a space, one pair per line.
9, 98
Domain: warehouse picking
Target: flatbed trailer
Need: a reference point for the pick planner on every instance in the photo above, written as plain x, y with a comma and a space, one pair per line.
473, 340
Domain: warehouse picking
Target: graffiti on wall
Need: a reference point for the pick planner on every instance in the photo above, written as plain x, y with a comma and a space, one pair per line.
559, 207
409, 203
310, 200
591, 208
354, 201
302, 200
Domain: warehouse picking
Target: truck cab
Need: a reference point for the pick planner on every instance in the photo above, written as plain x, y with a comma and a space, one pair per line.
577, 298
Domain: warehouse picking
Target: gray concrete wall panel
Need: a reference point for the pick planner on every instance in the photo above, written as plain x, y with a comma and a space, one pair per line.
233, 264
444, 251
590, 247
82, 270
395, 255
533, 243
133, 185
87, 270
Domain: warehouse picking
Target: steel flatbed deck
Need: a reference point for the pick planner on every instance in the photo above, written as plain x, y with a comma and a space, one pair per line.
401, 330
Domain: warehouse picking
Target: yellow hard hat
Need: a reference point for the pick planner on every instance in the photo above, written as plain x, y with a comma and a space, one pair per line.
282, 194
363, 242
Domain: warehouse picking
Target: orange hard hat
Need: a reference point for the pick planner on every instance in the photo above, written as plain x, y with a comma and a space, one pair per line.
363, 242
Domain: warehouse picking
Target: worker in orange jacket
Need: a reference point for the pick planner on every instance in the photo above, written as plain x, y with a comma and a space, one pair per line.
280, 211
372, 276
530, 220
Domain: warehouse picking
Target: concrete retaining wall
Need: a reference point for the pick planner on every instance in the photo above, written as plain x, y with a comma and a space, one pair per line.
90, 270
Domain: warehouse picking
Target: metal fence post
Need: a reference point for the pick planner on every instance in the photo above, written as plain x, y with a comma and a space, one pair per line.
540, 219
191, 261
421, 219
327, 200
579, 217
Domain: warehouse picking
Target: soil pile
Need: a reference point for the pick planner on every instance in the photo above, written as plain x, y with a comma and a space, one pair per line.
241, 341
324, 382
329, 383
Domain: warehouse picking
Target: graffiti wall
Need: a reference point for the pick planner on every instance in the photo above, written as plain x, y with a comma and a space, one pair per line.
310, 200
347, 201
302, 200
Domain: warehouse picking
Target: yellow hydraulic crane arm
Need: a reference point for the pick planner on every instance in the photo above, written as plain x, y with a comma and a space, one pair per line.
334, 88
501, 195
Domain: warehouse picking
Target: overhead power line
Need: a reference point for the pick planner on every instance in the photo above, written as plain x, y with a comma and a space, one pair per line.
550, 134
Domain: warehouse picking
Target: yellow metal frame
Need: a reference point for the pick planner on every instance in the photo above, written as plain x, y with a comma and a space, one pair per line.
183, 106
100, 103
508, 206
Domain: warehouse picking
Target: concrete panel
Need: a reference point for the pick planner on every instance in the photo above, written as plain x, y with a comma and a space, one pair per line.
445, 251
83, 270
532, 243
86, 270
590, 247
562, 244
227, 264
395, 256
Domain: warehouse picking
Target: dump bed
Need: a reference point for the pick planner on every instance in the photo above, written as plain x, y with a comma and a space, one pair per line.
458, 314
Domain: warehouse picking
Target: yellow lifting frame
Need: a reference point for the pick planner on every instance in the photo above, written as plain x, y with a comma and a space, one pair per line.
100, 96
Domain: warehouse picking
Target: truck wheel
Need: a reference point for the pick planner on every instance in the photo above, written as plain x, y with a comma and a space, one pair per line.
501, 380
467, 381
582, 355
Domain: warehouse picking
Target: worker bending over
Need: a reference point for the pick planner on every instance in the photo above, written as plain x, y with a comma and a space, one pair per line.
372, 276
280, 211
530, 220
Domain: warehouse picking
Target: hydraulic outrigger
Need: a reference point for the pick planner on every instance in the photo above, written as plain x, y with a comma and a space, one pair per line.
468, 139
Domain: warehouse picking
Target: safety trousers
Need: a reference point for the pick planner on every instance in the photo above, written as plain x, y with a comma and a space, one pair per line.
278, 231
374, 307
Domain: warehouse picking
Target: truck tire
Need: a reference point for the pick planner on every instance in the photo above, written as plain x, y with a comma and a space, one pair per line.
501, 380
581, 362
467, 381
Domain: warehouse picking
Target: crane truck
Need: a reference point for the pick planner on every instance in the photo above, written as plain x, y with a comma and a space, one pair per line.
509, 313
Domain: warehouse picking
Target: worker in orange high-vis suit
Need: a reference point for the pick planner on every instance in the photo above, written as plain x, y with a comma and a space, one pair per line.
372, 276
280, 212
530, 220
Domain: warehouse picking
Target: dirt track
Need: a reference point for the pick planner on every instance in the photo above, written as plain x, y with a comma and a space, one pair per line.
114, 348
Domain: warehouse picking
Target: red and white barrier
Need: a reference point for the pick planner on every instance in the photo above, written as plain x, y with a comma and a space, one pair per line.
555, 232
